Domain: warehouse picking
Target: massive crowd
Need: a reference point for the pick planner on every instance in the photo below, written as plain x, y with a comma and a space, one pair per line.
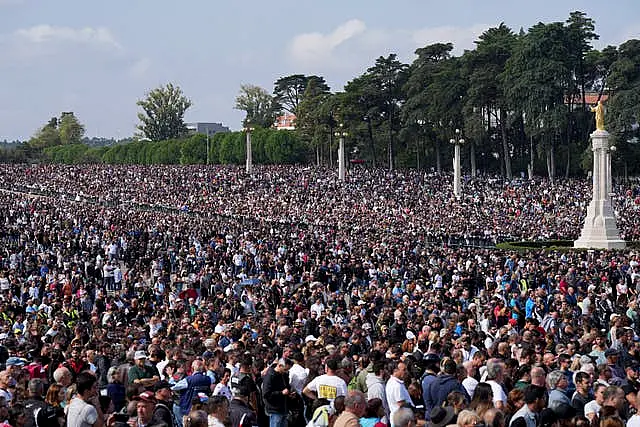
193, 296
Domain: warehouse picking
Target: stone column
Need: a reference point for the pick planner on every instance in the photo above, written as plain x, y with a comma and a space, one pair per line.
249, 165
457, 173
341, 165
600, 230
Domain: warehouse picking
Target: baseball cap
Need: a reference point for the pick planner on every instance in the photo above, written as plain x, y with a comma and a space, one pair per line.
146, 396
139, 355
161, 385
15, 361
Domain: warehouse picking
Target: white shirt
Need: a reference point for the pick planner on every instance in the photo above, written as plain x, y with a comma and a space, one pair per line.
222, 390
634, 421
328, 387
470, 385
81, 414
498, 393
297, 377
396, 392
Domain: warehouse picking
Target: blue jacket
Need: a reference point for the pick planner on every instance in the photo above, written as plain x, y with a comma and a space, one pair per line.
196, 383
426, 390
440, 389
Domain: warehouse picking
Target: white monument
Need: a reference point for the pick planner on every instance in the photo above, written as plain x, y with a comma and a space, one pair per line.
249, 162
457, 171
341, 156
600, 230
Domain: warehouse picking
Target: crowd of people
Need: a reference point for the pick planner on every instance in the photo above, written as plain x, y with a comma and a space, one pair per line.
193, 296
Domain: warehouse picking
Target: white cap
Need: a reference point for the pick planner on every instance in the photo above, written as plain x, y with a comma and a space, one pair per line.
410, 335
139, 355
310, 338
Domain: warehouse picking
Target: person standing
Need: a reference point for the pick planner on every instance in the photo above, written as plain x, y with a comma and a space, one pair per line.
275, 390
355, 407
327, 386
397, 393
84, 409
241, 414
197, 382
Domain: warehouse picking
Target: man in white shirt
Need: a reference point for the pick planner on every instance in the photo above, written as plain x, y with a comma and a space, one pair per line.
84, 409
297, 373
495, 376
397, 393
327, 386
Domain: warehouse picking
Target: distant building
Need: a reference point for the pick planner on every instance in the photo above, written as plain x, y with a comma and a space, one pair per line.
285, 122
206, 128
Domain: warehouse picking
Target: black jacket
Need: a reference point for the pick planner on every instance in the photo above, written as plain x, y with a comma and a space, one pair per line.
273, 384
162, 414
241, 414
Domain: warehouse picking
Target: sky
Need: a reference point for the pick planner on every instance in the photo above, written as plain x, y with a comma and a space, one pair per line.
97, 58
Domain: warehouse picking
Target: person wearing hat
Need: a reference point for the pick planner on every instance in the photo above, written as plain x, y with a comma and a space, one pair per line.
145, 406
163, 411
141, 373
442, 416
612, 355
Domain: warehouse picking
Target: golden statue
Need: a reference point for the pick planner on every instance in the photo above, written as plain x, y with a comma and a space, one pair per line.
599, 110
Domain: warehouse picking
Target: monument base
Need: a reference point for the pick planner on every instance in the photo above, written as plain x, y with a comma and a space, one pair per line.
600, 230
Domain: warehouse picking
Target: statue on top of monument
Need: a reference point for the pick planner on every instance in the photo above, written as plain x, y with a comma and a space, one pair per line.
599, 110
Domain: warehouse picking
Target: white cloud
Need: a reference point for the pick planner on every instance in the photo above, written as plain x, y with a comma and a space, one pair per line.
316, 48
140, 67
461, 37
88, 36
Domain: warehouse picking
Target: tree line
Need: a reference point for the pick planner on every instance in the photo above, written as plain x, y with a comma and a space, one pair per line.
269, 146
520, 101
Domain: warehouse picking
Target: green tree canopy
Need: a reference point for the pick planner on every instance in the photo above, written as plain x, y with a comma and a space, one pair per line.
260, 106
162, 115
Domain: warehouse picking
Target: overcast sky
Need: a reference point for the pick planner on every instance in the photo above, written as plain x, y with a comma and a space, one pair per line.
97, 58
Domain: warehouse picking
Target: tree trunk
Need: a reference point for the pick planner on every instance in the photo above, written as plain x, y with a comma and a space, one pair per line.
505, 145
318, 155
568, 166
474, 166
330, 152
549, 167
553, 161
438, 161
373, 145
531, 158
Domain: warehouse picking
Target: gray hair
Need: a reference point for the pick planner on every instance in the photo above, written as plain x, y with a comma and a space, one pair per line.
495, 369
402, 417
554, 378
59, 373
354, 398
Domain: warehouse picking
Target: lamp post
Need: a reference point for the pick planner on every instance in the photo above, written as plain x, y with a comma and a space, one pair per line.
249, 164
341, 160
457, 142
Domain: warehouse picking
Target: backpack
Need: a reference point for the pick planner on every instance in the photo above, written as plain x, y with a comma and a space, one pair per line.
47, 416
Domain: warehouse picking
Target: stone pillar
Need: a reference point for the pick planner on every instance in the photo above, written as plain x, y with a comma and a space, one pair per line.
249, 165
457, 174
600, 230
341, 165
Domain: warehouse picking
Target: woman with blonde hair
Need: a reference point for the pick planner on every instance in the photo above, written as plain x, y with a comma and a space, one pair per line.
468, 418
